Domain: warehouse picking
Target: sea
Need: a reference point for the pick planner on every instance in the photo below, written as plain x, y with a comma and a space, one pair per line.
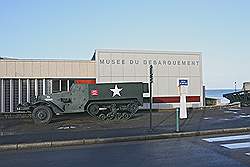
218, 94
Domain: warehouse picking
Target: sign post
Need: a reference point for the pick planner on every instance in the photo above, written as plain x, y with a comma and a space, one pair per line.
150, 92
183, 89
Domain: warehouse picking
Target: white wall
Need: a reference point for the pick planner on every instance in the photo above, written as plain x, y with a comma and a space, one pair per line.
21, 68
124, 65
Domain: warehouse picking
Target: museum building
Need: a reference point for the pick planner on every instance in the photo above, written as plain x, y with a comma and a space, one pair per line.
21, 80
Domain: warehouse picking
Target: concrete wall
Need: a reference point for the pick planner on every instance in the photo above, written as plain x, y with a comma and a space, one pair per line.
47, 69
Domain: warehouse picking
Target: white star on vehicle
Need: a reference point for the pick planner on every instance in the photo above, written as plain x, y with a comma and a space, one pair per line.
116, 91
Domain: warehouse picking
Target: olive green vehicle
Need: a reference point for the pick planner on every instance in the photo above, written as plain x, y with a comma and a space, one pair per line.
105, 101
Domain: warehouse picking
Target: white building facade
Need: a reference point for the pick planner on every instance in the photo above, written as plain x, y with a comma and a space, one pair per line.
168, 68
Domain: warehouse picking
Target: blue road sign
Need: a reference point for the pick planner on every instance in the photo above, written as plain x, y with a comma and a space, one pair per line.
183, 82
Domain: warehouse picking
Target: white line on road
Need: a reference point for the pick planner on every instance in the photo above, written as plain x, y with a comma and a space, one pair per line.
227, 138
236, 145
234, 109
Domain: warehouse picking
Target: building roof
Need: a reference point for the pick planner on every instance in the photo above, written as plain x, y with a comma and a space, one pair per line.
144, 52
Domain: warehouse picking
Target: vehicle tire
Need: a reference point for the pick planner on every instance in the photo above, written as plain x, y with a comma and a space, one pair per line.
118, 116
125, 116
93, 109
111, 116
102, 117
133, 107
42, 115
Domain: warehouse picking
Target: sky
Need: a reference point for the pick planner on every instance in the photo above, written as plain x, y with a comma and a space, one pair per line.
73, 29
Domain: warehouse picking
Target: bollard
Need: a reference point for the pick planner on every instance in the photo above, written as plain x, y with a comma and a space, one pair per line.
177, 119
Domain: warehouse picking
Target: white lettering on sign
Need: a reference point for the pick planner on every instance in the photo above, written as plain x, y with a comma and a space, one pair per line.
183, 82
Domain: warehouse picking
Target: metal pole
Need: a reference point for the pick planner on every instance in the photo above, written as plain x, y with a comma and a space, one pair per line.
44, 86
67, 85
28, 90
150, 94
204, 96
11, 95
150, 105
36, 88
2, 96
177, 119
19, 91
60, 85
235, 86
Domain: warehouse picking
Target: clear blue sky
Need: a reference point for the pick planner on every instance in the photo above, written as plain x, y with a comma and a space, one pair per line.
73, 29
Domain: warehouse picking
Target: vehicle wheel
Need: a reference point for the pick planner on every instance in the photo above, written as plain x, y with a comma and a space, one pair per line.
102, 117
125, 116
93, 109
132, 107
111, 116
119, 116
42, 115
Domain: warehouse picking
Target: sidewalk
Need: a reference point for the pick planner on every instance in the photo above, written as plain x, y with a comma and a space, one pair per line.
82, 126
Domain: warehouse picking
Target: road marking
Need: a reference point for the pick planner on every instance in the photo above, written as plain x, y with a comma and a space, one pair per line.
230, 112
236, 145
227, 138
244, 116
247, 154
66, 127
207, 118
234, 109
225, 119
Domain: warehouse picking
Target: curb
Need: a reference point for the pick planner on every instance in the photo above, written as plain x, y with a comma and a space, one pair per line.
51, 144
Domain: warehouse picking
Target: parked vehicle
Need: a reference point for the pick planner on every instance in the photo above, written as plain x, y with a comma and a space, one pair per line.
103, 101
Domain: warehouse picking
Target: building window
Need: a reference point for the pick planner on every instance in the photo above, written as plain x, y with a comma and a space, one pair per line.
64, 85
55, 86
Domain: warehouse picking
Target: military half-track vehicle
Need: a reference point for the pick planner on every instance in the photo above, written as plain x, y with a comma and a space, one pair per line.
105, 101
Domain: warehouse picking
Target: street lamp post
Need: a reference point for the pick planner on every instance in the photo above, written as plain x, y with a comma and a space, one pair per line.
235, 86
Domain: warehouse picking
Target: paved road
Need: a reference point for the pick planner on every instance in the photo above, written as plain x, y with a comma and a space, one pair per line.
195, 152
79, 126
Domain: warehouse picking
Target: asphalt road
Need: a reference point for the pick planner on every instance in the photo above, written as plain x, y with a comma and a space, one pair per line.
194, 151
79, 126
